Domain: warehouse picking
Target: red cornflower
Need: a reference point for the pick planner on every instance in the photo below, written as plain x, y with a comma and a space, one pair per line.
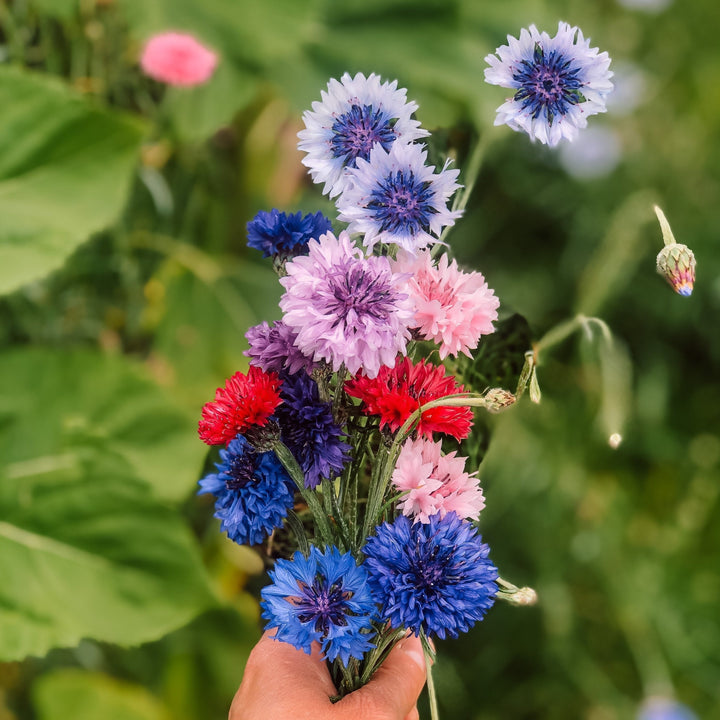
398, 391
245, 401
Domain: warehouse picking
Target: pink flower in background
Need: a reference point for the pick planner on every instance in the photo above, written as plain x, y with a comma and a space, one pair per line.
435, 483
452, 308
178, 59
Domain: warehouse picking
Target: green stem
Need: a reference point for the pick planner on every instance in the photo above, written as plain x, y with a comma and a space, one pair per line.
298, 530
667, 233
429, 658
295, 471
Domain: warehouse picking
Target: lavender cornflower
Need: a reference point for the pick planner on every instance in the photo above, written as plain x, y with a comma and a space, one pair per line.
323, 598
394, 197
435, 577
345, 308
355, 114
559, 82
272, 348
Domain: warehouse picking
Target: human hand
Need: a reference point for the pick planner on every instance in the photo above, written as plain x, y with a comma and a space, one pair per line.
282, 683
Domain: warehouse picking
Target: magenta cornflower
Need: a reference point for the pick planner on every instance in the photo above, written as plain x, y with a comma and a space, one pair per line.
434, 483
345, 308
452, 308
178, 59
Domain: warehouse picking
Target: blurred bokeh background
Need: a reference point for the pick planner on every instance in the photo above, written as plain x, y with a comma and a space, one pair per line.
126, 287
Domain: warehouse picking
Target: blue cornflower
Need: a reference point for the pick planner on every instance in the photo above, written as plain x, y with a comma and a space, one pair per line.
394, 197
434, 577
356, 113
253, 492
309, 430
323, 598
275, 233
662, 708
559, 82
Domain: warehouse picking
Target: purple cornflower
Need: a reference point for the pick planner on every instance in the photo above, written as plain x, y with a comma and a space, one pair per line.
559, 82
355, 114
323, 598
433, 577
272, 348
394, 197
253, 492
345, 308
308, 429
275, 233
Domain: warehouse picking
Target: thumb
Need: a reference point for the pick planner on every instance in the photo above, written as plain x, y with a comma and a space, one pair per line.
393, 690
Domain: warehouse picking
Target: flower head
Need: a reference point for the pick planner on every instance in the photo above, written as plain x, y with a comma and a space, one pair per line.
453, 308
253, 492
177, 59
663, 708
676, 263
275, 233
434, 483
344, 307
355, 114
272, 348
394, 197
398, 391
435, 577
323, 598
246, 401
309, 430
559, 82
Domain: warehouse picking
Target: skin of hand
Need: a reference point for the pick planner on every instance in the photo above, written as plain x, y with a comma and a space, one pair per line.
283, 683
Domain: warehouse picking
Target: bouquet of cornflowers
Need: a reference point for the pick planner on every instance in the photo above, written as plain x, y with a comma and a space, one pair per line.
333, 439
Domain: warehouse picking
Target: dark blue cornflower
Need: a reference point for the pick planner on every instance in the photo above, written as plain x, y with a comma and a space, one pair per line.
309, 430
253, 492
275, 233
433, 577
322, 598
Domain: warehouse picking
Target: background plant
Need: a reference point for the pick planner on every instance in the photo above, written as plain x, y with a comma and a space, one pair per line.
127, 288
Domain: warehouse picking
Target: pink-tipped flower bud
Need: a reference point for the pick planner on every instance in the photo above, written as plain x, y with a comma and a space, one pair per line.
497, 399
676, 263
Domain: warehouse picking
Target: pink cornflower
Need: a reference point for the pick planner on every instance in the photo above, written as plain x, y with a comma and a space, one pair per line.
452, 308
435, 483
177, 59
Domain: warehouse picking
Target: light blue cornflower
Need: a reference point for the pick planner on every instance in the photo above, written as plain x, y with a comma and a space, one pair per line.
559, 82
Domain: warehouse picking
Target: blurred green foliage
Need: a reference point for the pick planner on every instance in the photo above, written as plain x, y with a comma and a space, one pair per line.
127, 287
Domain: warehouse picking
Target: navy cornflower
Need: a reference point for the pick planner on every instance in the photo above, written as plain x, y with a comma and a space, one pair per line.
253, 492
308, 429
275, 233
433, 577
323, 598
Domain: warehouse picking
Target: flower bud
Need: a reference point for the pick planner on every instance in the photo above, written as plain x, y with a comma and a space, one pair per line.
676, 263
497, 399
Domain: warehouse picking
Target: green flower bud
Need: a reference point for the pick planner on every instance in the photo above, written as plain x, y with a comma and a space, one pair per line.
676, 263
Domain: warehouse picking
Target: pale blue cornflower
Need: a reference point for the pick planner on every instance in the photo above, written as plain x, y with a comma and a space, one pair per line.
395, 198
355, 114
559, 82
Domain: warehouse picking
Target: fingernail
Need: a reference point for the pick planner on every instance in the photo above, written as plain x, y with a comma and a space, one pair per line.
414, 654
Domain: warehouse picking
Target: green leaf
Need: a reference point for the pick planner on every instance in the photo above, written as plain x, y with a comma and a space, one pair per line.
86, 552
64, 409
65, 167
63, 9
83, 695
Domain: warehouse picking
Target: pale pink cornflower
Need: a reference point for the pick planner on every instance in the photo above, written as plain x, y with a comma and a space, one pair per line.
178, 59
434, 483
453, 308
